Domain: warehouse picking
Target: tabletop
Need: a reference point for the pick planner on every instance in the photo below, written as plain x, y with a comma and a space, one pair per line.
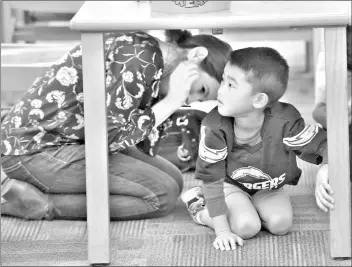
132, 15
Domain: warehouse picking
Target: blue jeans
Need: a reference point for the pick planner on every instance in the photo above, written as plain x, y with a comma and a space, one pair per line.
140, 186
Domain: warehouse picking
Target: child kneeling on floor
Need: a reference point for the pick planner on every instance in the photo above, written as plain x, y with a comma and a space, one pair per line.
247, 152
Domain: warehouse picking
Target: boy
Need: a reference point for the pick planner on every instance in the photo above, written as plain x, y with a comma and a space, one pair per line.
248, 149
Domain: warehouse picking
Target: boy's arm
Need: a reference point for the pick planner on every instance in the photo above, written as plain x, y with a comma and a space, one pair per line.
309, 142
212, 171
216, 205
211, 166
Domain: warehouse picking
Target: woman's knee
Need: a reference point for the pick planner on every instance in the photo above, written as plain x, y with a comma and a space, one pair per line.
279, 224
168, 198
245, 226
132, 157
171, 170
179, 180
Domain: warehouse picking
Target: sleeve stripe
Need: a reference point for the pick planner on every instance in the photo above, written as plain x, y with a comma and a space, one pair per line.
208, 154
303, 138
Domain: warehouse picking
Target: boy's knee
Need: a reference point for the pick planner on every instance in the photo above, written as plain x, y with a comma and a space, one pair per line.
279, 224
246, 227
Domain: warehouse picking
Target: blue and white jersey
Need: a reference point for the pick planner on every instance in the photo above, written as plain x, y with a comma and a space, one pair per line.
267, 165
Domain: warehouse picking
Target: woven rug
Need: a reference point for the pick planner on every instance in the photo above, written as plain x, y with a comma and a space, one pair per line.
175, 240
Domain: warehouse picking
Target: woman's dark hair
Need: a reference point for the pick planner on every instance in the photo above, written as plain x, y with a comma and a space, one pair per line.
218, 50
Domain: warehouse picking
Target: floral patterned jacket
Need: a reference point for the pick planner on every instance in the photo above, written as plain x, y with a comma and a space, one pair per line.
51, 113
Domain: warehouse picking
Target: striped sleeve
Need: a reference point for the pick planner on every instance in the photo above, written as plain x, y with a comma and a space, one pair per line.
309, 142
211, 167
212, 153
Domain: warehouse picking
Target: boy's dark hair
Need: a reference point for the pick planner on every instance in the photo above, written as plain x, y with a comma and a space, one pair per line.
267, 71
218, 50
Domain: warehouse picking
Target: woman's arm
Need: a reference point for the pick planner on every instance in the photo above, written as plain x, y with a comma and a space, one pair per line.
179, 87
133, 76
133, 73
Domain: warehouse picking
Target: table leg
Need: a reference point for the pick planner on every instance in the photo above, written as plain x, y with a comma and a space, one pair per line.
7, 23
338, 143
98, 214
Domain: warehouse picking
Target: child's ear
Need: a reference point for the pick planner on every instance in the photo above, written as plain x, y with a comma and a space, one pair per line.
261, 100
197, 54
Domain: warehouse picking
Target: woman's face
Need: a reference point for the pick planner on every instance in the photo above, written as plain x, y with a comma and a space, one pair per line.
203, 88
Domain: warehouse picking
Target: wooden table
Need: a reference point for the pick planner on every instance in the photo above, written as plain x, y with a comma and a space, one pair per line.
94, 18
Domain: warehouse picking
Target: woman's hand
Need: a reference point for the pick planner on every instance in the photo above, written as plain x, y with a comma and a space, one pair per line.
181, 81
227, 240
179, 88
323, 190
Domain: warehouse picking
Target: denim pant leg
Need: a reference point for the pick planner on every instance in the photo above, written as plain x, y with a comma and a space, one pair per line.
159, 162
138, 190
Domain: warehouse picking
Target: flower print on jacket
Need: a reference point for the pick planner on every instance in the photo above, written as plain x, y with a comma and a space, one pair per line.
16, 121
56, 97
18, 108
7, 148
79, 97
36, 114
80, 122
124, 38
51, 112
36, 103
67, 76
127, 76
77, 53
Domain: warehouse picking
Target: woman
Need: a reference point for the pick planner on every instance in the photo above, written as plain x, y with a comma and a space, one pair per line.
146, 81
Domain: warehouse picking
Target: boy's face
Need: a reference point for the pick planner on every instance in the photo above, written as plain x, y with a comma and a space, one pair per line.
235, 94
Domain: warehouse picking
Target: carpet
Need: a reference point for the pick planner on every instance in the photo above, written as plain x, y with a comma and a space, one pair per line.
175, 240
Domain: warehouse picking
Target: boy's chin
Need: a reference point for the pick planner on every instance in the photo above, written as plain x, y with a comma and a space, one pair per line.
225, 113
222, 111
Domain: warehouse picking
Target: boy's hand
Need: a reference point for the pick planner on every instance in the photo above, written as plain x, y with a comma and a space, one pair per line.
227, 240
323, 190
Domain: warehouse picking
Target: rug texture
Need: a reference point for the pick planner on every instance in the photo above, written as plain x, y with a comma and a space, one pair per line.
175, 240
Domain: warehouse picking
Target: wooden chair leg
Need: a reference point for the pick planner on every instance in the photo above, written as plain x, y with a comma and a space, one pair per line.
338, 143
98, 215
